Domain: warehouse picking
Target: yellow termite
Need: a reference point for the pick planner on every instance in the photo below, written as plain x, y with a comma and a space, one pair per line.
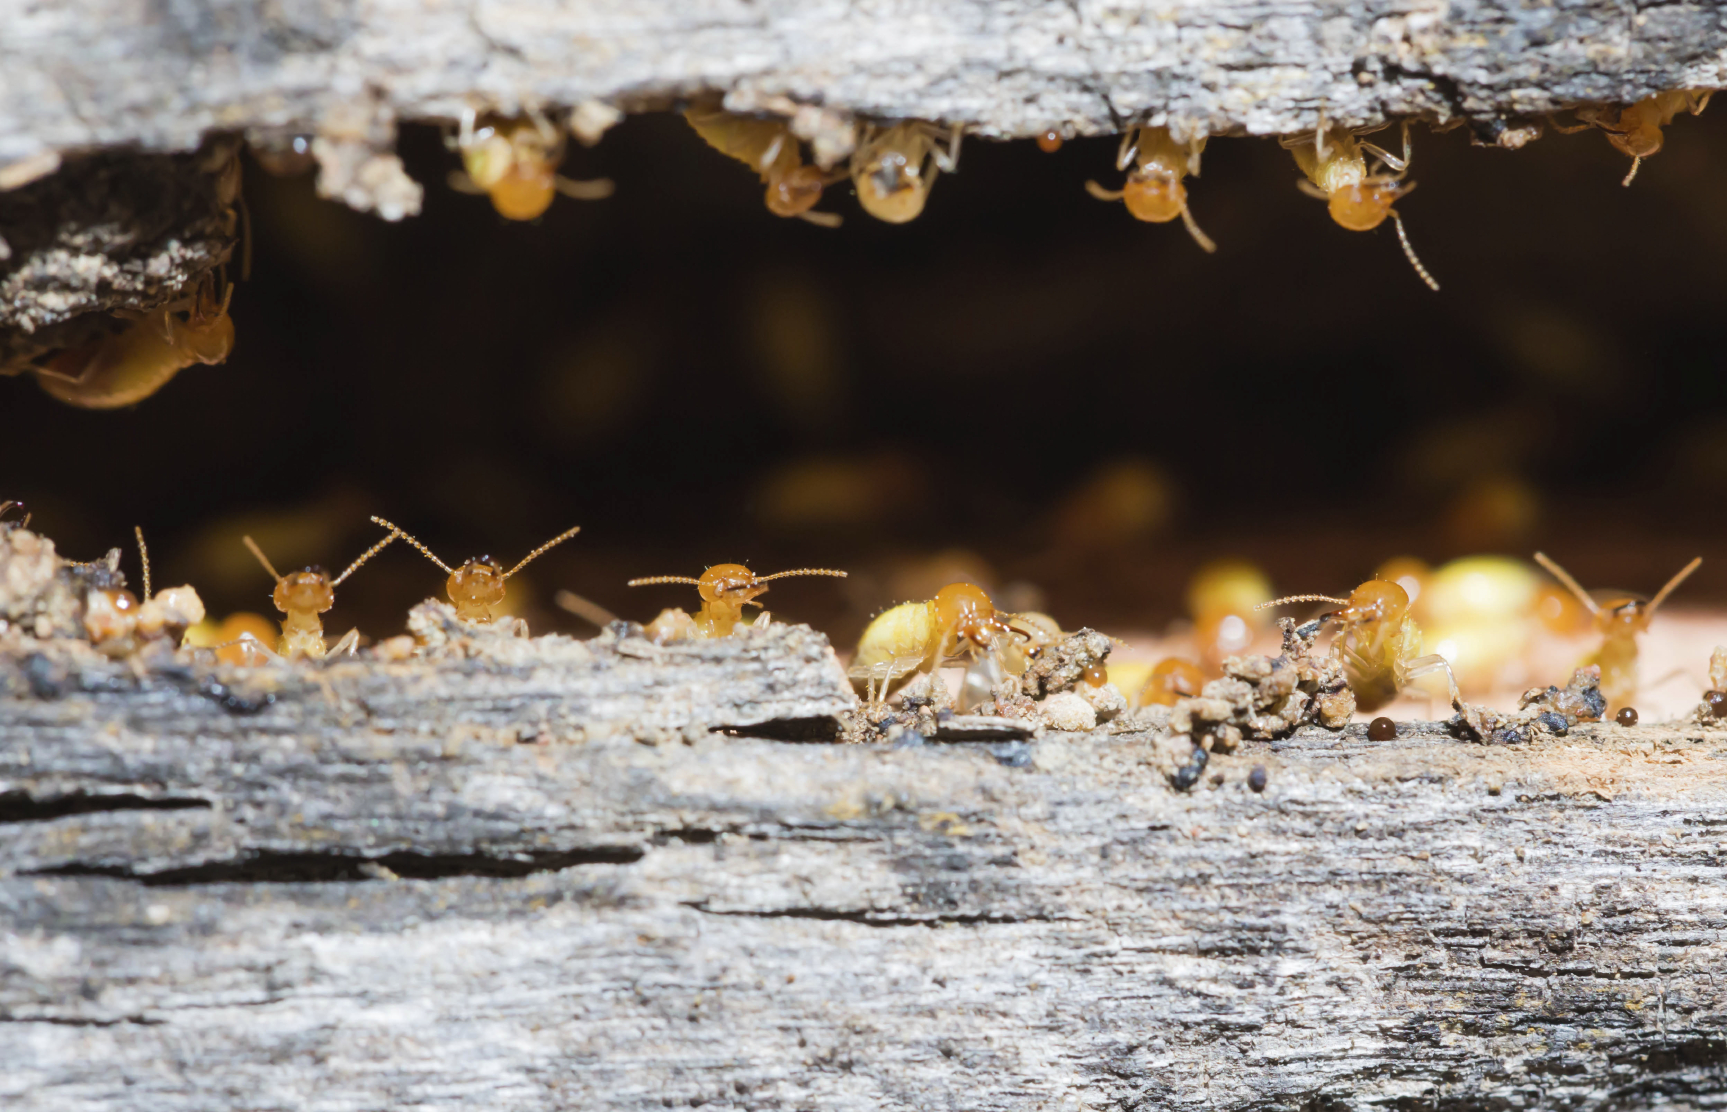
895, 167
478, 585
1335, 162
1377, 642
1620, 618
514, 161
302, 596
1153, 191
921, 636
725, 590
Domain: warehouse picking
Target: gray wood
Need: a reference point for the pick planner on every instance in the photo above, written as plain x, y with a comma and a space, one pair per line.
378, 893
83, 74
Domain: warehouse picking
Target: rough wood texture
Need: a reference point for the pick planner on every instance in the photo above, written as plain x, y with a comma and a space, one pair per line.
99, 73
337, 903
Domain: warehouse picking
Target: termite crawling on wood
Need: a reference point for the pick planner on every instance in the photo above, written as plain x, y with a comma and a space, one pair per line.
478, 585
1620, 618
1377, 642
303, 596
895, 167
1154, 191
1335, 162
514, 161
725, 590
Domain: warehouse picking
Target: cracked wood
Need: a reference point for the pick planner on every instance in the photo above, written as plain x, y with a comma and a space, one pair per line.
305, 910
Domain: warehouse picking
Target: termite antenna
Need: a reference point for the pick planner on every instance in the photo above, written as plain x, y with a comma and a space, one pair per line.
366, 555
262, 559
653, 579
409, 537
1636, 161
553, 543
1103, 194
801, 571
1301, 598
1403, 237
143, 558
9, 505
1672, 584
585, 609
1571, 584
1199, 237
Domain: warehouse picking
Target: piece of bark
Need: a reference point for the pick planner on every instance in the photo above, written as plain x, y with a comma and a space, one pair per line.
113, 233
100, 73
342, 902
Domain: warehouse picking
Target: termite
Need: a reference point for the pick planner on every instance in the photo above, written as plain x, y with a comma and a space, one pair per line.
725, 590
478, 585
1619, 618
768, 147
1172, 680
169, 613
894, 167
515, 163
1153, 191
129, 366
1335, 162
921, 636
303, 595
1377, 642
1636, 130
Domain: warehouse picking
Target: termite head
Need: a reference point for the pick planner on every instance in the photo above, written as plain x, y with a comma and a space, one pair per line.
515, 162
1623, 615
1153, 197
203, 329
730, 583
892, 186
1374, 601
308, 589
477, 583
1619, 615
1364, 206
966, 609
796, 191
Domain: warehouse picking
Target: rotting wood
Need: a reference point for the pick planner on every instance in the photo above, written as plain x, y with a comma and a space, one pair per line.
338, 902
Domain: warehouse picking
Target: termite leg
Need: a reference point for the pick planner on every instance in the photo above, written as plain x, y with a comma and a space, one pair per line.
349, 642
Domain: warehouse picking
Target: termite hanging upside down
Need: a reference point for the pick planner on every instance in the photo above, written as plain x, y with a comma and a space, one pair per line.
129, 366
768, 147
1619, 618
302, 596
515, 162
478, 585
921, 636
1637, 130
1153, 191
1335, 163
725, 589
1377, 642
894, 167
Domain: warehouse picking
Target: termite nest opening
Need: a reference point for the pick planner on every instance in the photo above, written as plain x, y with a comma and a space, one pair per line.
895, 349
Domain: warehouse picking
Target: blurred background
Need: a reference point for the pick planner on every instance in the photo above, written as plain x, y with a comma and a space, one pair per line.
1024, 386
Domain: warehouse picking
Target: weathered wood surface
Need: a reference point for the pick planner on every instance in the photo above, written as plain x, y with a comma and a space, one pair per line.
85, 74
340, 904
